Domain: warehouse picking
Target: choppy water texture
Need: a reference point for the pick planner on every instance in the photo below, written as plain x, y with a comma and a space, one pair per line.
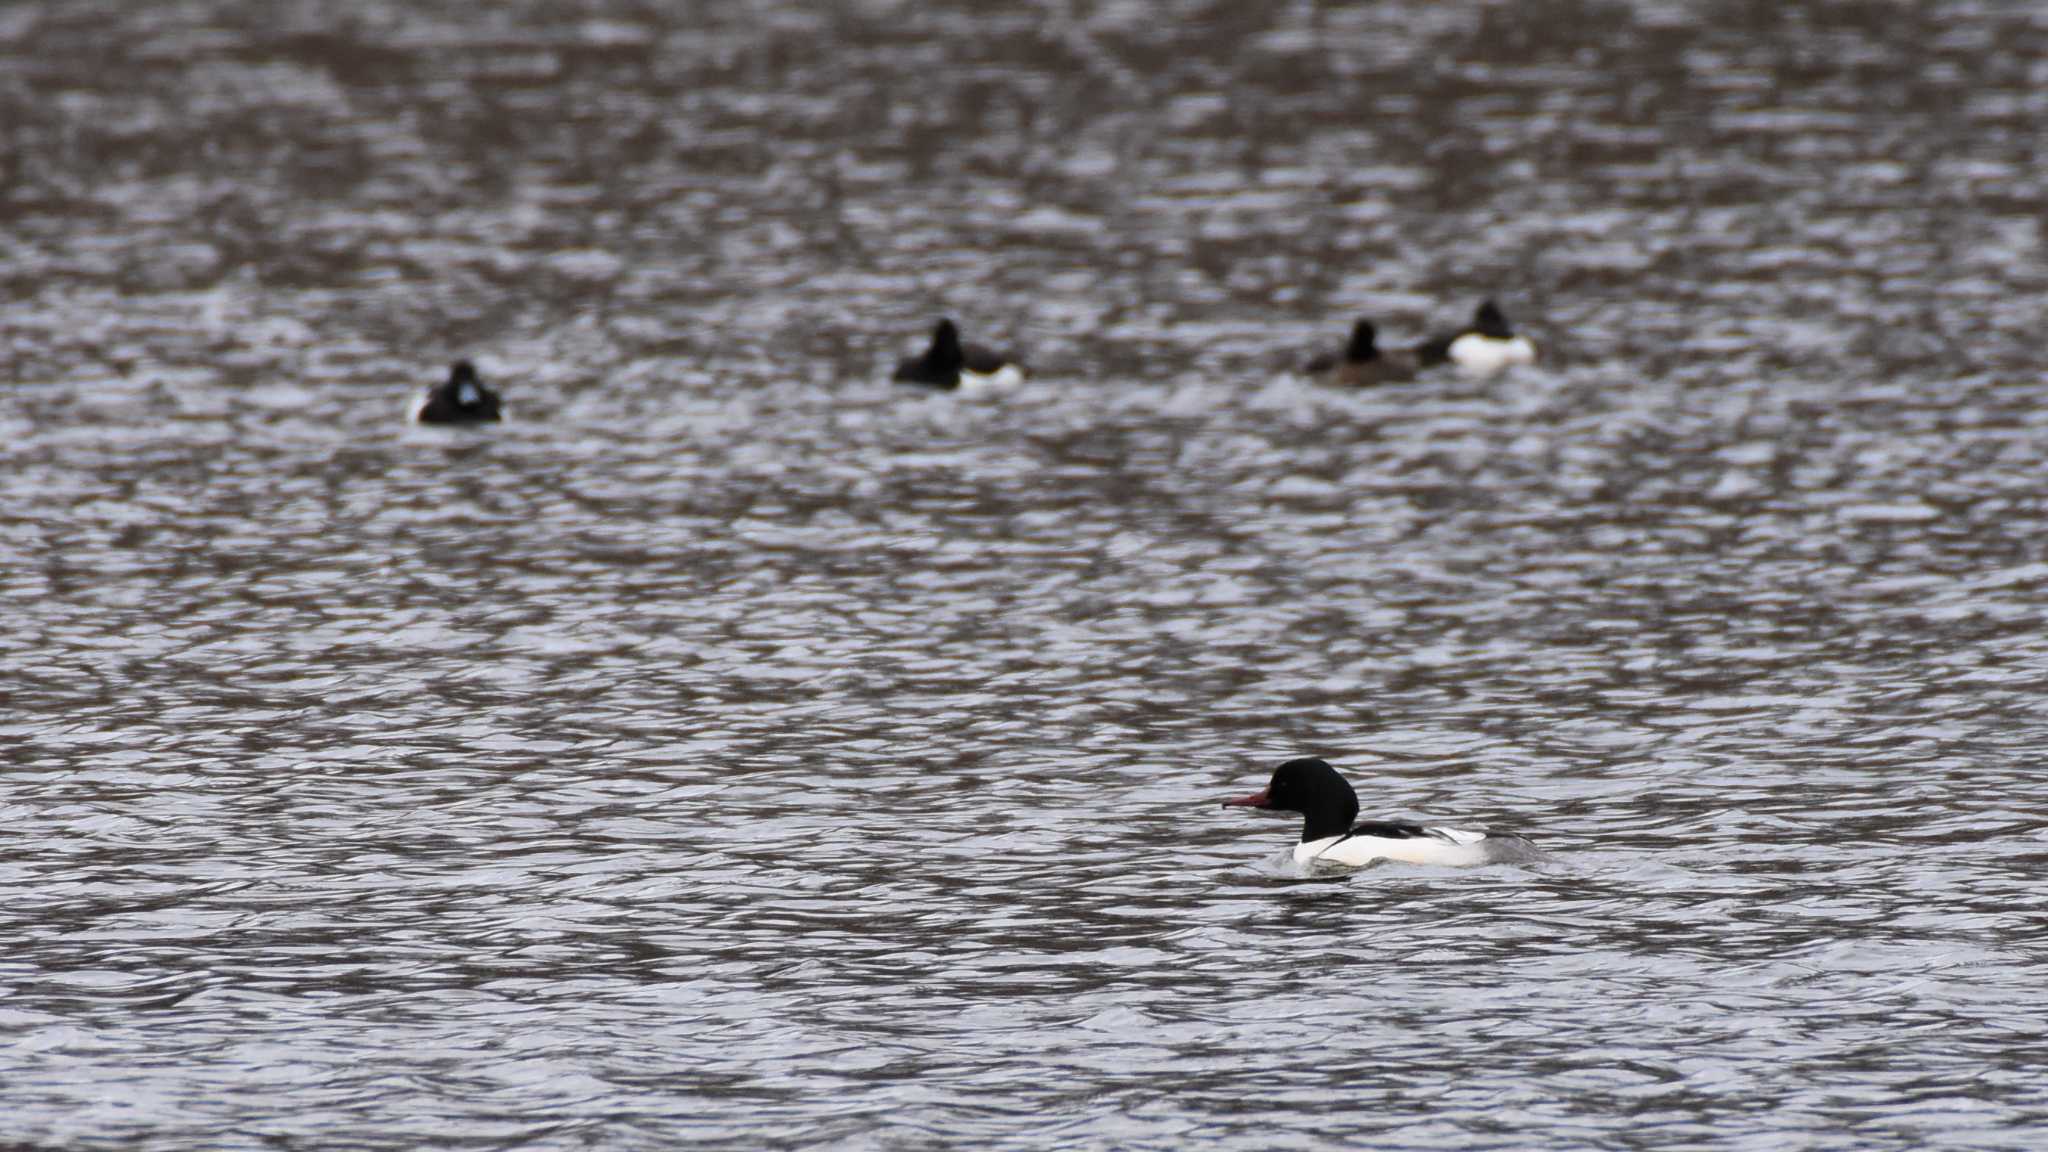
736, 751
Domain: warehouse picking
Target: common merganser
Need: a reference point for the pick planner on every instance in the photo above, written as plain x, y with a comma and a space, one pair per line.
1362, 363
949, 365
460, 399
1483, 349
1329, 807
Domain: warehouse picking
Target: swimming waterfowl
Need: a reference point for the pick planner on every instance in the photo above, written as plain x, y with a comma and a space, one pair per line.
1362, 364
1330, 834
1484, 348
949, 365
460, 399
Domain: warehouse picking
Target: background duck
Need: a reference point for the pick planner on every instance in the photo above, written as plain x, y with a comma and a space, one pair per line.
948, 365
1485, 347
1362, 364
461, 399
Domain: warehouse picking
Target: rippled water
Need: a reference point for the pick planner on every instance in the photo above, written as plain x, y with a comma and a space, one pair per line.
736, 751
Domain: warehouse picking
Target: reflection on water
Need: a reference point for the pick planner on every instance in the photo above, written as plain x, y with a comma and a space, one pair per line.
735, 750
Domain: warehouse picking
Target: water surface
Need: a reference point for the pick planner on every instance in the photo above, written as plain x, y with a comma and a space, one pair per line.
736, 751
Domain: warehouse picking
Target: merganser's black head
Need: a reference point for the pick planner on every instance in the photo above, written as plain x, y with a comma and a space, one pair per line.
1489, 321
1311, 787
1364, 344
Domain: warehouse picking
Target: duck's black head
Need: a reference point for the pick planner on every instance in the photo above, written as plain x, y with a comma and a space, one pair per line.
1364, 344
1489, 321
940, 364
945, 350
1311, 787
467, 389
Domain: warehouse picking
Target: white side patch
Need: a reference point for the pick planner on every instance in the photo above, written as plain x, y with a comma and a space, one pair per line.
465, 394
1477, 355
1008, 376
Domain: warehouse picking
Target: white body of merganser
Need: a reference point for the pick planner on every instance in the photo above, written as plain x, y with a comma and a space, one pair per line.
1331, 836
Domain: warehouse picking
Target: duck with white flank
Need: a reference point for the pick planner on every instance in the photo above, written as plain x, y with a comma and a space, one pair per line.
949, 365
460, 399
1363, 363
1486, 347
1329, 834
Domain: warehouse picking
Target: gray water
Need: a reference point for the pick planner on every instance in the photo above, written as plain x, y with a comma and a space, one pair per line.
734, 750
